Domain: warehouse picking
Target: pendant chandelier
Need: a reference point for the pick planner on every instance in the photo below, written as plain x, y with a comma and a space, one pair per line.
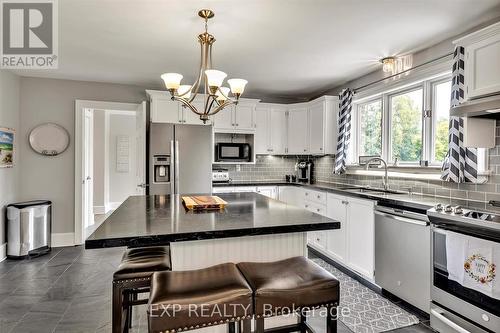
209, 79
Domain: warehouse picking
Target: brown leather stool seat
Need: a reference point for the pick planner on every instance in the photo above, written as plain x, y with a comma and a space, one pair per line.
132, 277
186, 300
291, 285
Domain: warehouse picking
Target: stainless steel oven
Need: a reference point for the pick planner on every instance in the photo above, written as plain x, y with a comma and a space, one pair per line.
465, 257
233, 152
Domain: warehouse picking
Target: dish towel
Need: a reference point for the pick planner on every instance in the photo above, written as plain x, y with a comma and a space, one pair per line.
473, 263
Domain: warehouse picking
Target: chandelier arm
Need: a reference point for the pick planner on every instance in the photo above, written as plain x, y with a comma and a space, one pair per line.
187, 104
222, 106
222, 93
196, 85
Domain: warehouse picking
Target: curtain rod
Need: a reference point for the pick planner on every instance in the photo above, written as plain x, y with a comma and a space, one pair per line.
405, 71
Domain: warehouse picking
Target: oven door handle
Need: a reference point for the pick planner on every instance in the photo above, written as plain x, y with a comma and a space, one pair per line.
439, 315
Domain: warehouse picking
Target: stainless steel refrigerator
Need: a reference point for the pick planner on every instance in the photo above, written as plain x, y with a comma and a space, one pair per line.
180, 159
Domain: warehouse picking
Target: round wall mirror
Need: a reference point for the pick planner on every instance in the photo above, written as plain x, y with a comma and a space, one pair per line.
49, 139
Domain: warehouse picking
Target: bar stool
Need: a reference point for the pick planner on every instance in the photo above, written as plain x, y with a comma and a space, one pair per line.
186, 300
132, 278
291, 285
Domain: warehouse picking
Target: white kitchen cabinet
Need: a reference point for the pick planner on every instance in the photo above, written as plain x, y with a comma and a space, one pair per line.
292, 195
323, 125
336, 240
270, 129
237, 117
191, 118
222, 189
268, 191
482, 61
361, 236
298, 125
164, 110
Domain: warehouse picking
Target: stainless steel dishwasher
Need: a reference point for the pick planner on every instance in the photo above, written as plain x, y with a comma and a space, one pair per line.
403, 255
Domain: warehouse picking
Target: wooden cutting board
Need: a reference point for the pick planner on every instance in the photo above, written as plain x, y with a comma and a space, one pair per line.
202, 202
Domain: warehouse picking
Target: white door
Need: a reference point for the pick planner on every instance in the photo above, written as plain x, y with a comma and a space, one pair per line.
336, 239
298, 136
261, 131
243, 117
140, 137
316, 131
277, 131
361, 236
224, 118
165, 110
88, 207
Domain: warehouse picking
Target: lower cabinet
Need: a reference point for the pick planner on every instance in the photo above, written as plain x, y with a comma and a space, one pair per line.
268, 191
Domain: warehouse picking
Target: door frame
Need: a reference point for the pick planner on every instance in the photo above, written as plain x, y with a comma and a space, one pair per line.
80, 106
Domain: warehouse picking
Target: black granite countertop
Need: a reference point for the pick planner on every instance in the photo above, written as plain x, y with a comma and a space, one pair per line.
415, 202
161, 219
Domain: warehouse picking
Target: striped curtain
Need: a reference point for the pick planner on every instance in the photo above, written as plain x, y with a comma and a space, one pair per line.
345, 108
460, 164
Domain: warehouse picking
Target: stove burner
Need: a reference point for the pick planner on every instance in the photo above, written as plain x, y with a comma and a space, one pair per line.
483, 216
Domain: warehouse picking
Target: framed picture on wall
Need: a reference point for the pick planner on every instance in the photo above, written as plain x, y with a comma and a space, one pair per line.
6, 147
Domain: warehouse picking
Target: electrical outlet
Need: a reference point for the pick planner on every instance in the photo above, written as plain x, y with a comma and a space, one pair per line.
238, 167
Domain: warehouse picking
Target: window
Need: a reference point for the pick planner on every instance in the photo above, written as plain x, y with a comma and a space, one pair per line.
370, 128
441, 92
406, 126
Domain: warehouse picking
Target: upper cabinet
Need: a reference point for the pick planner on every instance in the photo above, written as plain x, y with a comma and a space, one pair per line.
298, 130
482, 61
237, 117
312, 127
270, 129
164, 110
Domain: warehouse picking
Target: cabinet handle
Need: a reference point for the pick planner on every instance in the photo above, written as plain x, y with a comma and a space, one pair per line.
317, 209
237, 124
307, 193
305, 149
307, 206
319, 196
317, 239
321, 149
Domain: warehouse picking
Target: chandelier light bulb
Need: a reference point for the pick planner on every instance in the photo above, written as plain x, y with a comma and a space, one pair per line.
237, 85
215, 77
184, 91
172, 80
220, 96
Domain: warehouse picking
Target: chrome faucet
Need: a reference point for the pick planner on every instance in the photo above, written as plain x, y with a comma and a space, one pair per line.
386, 177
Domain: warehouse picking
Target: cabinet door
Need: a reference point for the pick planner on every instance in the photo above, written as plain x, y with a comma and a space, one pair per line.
277, 131
165, 110
244, 117
298, 136
291, 195
336, 239
262, 131
360, 236
191, 118
224, 119
316, 128
482, 67
268, 191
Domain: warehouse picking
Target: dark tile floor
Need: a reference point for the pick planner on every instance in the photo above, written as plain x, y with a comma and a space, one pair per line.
69, 290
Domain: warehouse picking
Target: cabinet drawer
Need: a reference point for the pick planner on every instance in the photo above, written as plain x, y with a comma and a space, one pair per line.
315, 196
317, 238
315, 208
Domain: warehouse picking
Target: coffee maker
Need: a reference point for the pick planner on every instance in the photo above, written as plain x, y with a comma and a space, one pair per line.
305, 171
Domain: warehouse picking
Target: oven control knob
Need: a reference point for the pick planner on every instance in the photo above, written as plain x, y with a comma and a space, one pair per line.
438, 207
448, 209
485, 317
458, 210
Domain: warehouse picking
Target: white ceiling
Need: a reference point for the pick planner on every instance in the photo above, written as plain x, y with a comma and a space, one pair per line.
290, 48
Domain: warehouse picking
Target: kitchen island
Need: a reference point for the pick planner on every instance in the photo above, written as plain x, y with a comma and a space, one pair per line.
252, 227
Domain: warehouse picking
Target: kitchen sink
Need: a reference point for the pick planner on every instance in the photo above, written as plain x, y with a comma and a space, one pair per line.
369, 190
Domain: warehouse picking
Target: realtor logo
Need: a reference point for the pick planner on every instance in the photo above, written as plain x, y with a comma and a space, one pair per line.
29, 34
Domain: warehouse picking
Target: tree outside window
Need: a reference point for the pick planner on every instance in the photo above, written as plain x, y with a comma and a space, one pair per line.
370, 128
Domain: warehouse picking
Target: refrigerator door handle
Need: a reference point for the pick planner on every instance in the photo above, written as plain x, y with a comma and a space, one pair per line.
176, 167
172, 168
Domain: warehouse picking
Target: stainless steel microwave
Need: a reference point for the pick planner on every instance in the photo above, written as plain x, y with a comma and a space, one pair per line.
233, 152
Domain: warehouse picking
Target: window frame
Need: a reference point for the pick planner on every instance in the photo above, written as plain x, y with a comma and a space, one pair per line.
428, 87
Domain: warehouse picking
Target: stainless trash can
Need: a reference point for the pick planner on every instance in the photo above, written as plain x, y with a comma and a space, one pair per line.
28, 228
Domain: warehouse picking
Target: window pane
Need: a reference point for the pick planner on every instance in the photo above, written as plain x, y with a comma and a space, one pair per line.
370, 128
406, 126
441, 116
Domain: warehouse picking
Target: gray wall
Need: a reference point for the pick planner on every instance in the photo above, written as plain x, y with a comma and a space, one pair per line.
50, 100
9, 117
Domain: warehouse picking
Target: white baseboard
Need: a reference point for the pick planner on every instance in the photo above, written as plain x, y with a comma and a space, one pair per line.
3, 251
63, 239
101, 209
114, 205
